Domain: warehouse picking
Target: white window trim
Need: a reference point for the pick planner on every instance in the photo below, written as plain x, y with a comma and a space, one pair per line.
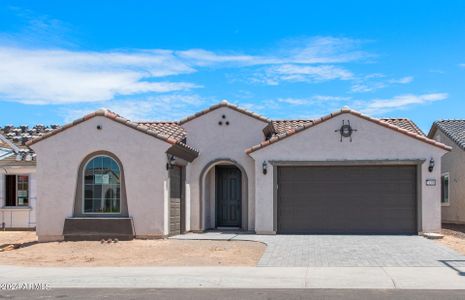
448, 189
84, 187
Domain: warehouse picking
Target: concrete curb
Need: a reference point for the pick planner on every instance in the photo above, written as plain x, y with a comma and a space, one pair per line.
238, 277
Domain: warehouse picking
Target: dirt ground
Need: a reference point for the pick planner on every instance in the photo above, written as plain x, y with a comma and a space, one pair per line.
454, 237
28, 252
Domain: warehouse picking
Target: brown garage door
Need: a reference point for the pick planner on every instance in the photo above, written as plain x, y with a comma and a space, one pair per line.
347, 200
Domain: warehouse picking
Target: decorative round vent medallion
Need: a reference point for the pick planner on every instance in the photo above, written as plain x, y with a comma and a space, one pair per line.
345, 130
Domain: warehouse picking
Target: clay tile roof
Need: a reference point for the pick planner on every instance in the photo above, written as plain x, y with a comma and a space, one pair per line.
169, 129
117, 118
281, 126
389, 124
224, 103
404, 123
454, 129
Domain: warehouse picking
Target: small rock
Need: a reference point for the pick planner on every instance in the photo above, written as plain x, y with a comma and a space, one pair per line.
102, 241
115, 240
432, 235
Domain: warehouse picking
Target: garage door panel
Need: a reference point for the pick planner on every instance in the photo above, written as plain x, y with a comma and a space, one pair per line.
368, 199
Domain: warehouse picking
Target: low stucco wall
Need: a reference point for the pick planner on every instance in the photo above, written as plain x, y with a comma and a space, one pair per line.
454, 164
143, 159
220, 143
370, 142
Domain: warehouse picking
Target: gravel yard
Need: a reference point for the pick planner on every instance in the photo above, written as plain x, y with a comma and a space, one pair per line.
22, 248
454, 237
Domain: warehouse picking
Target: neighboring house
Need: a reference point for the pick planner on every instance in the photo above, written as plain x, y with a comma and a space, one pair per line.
228, 168
452, 133
18, 193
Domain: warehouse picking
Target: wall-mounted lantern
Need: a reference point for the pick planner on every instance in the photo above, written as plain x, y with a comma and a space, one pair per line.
431, 165
265, 167
171, 162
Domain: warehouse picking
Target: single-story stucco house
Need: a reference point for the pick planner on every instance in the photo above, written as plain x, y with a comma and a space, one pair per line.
226, 167
452, 133
18, 193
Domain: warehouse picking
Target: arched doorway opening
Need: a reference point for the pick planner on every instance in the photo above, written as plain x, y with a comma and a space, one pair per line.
224, 196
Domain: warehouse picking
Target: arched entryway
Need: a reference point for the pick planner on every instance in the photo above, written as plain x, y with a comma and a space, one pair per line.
224, 197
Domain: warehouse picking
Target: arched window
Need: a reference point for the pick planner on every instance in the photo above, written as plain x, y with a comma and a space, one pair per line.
102, 186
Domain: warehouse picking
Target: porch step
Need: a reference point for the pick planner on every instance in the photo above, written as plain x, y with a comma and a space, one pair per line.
95, 229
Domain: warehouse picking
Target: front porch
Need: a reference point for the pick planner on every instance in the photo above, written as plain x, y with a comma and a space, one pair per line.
224, 197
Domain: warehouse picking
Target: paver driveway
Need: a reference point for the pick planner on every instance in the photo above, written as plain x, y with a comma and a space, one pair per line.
345, 250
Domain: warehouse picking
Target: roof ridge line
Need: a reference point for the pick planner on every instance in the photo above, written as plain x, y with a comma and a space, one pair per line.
224, 103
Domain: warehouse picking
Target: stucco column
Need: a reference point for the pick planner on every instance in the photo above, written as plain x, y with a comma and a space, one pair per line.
264, 212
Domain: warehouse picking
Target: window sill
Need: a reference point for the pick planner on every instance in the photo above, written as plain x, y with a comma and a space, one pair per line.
445, 204
16, 208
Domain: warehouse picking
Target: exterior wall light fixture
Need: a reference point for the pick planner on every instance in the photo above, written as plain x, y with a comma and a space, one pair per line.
171, 162
265, 167
431, 165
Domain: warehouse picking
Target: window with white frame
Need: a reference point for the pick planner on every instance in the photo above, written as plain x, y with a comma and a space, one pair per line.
102, 187
445, 187
16, 190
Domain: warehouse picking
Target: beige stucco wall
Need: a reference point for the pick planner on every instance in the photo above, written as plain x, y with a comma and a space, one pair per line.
370, 142
454, 164
19, 217
142, 156
217, 142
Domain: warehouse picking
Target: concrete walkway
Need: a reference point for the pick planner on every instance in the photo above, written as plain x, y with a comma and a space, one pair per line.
238, 277
344, 250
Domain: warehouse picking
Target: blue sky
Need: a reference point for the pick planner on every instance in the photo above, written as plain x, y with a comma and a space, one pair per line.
163, 60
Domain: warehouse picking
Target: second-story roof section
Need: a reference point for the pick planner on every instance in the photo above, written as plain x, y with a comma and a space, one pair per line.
454, 129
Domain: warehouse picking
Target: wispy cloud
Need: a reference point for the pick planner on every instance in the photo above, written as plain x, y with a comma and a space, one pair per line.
373, 82
38, 30
378, 106
60, 76
403, 80
317, 99
162, 107
298, 107
302, 73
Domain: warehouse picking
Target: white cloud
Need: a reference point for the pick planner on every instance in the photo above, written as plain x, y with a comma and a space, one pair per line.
302, 73
295, 101
316, 50
378, 106
314, 100
403, 80
59, 76
325, 50
376, 81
